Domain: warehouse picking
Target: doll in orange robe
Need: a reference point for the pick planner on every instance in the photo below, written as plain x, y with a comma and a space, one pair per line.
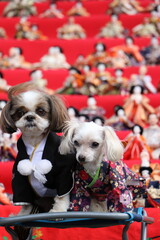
131, 49
137, 106
135, 144
99, 55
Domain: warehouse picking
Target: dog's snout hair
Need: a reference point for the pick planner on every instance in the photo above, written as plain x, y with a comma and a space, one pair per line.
30, 118
81, 158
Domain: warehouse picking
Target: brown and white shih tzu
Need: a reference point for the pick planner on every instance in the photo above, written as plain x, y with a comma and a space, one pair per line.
41, 175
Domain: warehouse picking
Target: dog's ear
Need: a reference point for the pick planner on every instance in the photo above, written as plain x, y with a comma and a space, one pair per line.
7, 124
59, 113
113, 146
66, 145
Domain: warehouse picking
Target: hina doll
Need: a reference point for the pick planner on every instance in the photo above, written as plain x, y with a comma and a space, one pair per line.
71, 30
3, 84
36, 77
53, 59
137, 106
105, 78
92, 110
78, 10
135, 143
99, 55
73, 83
16, 59
143, 79
131, 49
112, 29
52, 12
125, 6
91, 82
119, 121
20, 8
152, 135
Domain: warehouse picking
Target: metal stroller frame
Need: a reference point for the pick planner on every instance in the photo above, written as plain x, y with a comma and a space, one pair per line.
79, 219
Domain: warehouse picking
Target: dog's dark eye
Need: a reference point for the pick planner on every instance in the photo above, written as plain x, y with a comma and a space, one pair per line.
40, 111
20, 113
76, 143
94, 144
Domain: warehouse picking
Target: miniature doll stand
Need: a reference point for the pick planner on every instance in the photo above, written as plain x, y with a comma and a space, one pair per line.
78, 219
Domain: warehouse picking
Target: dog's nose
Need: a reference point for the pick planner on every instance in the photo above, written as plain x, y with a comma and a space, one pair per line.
81, 158
30, 118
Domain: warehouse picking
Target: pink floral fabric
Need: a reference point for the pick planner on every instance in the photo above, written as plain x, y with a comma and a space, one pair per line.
116, 183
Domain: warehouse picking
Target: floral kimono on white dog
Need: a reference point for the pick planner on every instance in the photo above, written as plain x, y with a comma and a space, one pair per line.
112, 182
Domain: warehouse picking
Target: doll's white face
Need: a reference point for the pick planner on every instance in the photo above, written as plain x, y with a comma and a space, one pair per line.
121, 113
101, 67
72, 72
143, 70
53, 50
137, 90
71, 112
154, 42
118, 73
37, 75
78, 5
136, 130
98, 122
14, 52
34, 28
114, 18
99, 48
86, 68
145, 174
91, 102
129, 41
153, 119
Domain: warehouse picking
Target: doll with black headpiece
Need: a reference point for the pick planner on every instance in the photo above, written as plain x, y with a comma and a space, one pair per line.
105, 78
52, 12
98, 55
20, 8
135, 143
73, 83
152, 135
36, 77
151, 53
119, 120
53, 59
16, 59
78, 10
137, 106
71, 30
131, 49
73, 113
113, 29
83, 117
92, 110
99, 120
3, 83
143, 79
125, 6
8, 149
91, 82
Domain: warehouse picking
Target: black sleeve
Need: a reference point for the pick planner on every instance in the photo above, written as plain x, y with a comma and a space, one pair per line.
65, 176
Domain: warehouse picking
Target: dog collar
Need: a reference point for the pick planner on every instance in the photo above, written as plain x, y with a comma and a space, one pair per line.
95, 178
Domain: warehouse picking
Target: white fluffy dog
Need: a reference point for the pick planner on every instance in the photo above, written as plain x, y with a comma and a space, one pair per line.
93, 144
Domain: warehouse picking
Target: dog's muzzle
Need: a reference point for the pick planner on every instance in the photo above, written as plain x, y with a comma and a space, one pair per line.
81, 159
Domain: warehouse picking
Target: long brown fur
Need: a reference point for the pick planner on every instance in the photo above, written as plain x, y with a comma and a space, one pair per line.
58, 114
